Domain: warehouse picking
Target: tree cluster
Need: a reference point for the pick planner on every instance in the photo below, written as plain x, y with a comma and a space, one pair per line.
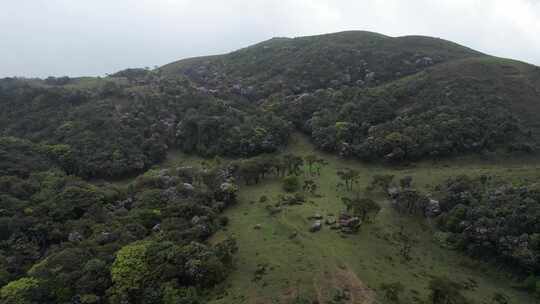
65, 240
488, 218
119, 127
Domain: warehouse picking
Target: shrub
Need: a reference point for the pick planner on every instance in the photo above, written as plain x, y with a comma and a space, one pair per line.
291, 183
22, 291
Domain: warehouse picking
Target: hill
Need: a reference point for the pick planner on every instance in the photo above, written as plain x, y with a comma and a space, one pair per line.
304, 64
474, 105
191, 183
372, 96
126, 123
357, 93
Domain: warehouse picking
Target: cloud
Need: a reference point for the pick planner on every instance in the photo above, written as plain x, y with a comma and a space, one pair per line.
66, 37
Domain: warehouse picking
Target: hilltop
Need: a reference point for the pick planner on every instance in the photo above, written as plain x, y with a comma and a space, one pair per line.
304, 64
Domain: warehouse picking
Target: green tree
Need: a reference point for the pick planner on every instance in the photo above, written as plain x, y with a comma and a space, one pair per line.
349, 177
130, 270
310, 186
444, 291
310, 160
361, 207
381, 181
500, 298
180, 295
291, 183
293, 163
22, 291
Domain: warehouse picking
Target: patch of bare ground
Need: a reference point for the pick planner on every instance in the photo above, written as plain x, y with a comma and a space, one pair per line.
342, 284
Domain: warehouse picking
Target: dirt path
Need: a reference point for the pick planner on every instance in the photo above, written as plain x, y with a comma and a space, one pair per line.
343, 281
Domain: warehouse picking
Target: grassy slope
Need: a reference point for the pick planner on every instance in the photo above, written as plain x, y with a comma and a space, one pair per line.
314, 264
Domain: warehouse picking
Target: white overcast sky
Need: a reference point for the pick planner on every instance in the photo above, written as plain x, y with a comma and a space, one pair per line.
94, 37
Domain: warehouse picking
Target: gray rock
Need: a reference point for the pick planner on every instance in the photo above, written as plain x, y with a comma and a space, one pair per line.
75, 236
330, 221
317, 226
335, 82
227, 187
188, 186
433, 208
237, 88
353, 222
106, 237
195, 220
370, 76
170, 193
316, 216
424, 61
392, 191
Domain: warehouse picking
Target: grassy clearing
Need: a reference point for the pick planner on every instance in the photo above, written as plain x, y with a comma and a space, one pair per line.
318, 265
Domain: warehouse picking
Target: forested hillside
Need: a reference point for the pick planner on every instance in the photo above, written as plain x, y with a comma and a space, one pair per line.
125, 123
371, 96
305, 64
121, 189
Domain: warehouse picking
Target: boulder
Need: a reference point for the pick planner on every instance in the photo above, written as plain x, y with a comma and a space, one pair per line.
188, 186
257, 227
370, 76
317, 226
237, 88
316, 216
392, 191
170, 194
75, 236
433, 208
228, 187
353, 222
203, 230
156, 228
330, 221
348, 223
195, 220
106, 237
335, 83
424, 61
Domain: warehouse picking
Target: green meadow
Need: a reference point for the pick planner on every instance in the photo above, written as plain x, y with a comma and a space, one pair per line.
282, 262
